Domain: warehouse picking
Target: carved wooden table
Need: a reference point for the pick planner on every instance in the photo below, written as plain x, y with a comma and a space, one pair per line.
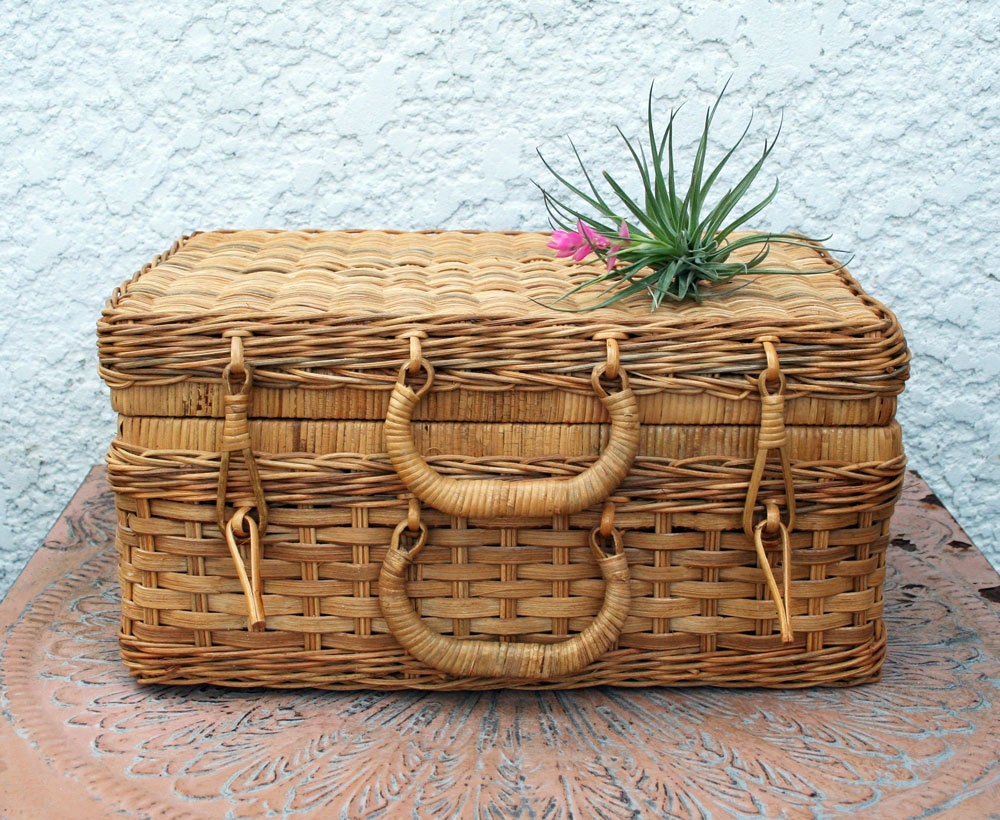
80, 739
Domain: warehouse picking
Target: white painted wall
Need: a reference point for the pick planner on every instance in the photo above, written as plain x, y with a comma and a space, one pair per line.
124, 125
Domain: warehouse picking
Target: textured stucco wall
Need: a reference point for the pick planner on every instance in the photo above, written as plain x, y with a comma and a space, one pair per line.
123, 125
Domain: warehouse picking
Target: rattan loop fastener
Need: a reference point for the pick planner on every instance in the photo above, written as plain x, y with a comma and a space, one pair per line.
611, 339
509, 661
607, 525
245, 527
236, 439
782, 602
416, 350
772, 436
496, 498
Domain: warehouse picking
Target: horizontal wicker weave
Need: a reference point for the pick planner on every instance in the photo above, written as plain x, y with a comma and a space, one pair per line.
378, 459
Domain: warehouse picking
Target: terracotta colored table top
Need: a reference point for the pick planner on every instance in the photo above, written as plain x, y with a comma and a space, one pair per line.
80, 739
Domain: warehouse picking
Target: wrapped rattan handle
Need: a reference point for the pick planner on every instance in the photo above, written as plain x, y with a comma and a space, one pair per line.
489, 498
488, 659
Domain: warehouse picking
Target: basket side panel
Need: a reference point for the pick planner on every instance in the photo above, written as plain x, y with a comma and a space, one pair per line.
700, 611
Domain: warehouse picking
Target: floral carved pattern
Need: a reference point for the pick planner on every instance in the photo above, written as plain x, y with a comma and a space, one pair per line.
918, 741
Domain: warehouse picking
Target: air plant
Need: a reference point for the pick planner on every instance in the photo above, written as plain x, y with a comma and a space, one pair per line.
671, 243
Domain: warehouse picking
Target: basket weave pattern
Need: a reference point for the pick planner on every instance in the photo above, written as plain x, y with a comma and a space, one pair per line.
328, 323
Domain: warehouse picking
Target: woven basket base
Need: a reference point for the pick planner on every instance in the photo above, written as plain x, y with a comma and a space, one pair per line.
792, 667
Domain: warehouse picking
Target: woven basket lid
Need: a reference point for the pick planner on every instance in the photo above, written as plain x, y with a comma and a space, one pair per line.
325, 318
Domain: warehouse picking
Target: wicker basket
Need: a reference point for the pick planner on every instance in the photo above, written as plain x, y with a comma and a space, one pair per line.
376, 459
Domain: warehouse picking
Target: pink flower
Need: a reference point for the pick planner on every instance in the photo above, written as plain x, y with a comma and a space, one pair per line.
579, 243
564, 243
613, 255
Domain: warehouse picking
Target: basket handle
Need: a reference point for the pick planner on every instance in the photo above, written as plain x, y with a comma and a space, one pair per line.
490, 498
488, 659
